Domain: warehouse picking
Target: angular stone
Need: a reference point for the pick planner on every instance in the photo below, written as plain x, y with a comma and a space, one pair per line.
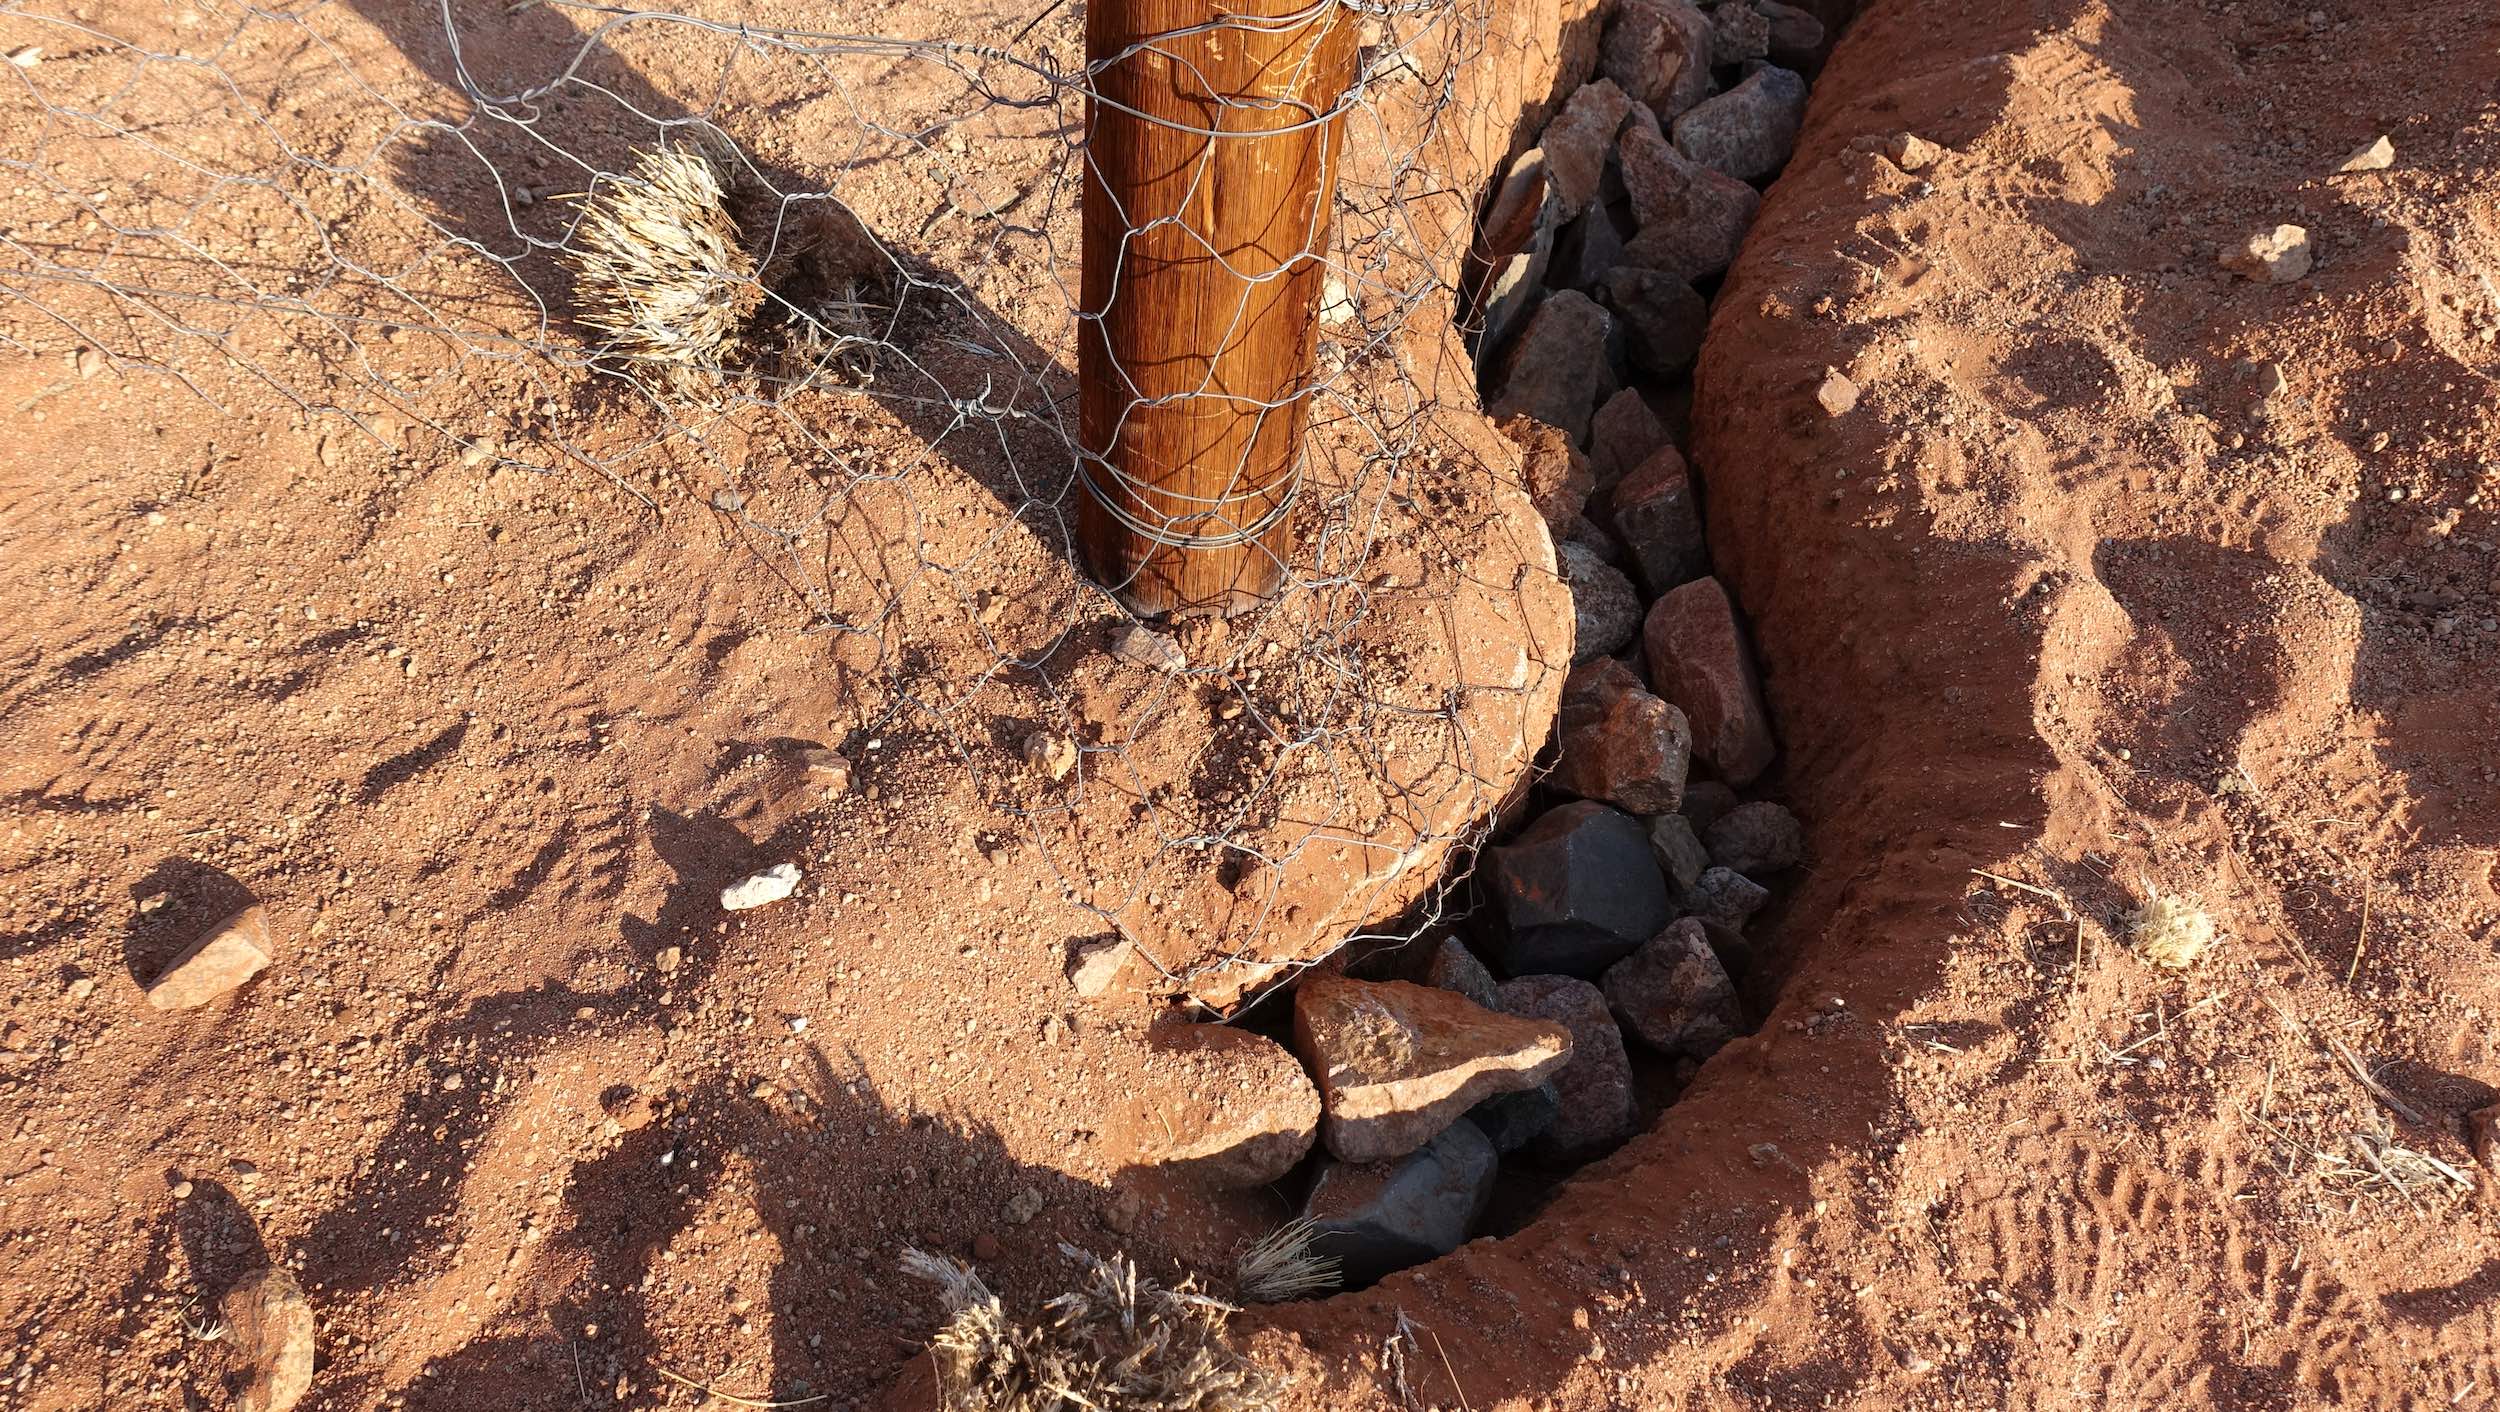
1673, 995
1836, 394
1576, 143
1634, 755
1606, 613
1698, 660
1725, 898
1748, 131
1705, 801
2276, 256
1796, 35
1911, 152
1738, 32
1094, 966
1623, 434
1557, 370
1558, 479
1226, 1107
1679, 853
1141, 646
761, 889
1399, 1062
1658, 517
1658, 52
1757, 838
1590, 536
231, 953
1595, 1088
2375, 155
269, 1326
1589, 691
1455, 968
1512, 293
1578, 890
1510, 1121
1661, 317
1510, 219
1692, 219
1376, 1218
1587, 250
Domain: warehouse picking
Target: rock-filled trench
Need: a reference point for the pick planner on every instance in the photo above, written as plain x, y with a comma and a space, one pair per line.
1456, 1080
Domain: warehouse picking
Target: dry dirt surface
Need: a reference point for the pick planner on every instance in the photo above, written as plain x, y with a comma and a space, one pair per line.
2082, 601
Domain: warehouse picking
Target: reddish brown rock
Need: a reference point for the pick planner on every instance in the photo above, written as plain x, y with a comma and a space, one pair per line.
1673, 995
1397, 1062
1576, 143
1558, 478
1658, 518
1658, 52
1595, 1087
1510, 219
1633, 754
231, 953
1698, 659
1226, 1107
1557, 371
1692, 218
1622, 435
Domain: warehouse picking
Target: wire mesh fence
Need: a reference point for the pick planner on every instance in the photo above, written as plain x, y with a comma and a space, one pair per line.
827, 287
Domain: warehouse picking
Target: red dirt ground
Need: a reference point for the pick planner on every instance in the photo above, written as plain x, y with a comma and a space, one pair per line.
2053, 603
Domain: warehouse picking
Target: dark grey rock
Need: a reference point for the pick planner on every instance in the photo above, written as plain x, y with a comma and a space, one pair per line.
1594, 1088
1622, 435
1692, 219
1511, 1121
1738, 32
1576, 143
1755, 839
1557, 370
1591, 536
1704, 802
1376, 1218
1587, 250
1659, 315
1673, 995
1796, 35
1748, 131
1454, 967
1578, 890
1659, 518
1679, 853
1605, 611
1726, 897
1658, 52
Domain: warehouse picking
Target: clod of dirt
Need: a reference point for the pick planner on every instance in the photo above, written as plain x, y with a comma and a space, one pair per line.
269, 1325
231, 953
768, 886
1051, 752
2276, 256
1398, 1062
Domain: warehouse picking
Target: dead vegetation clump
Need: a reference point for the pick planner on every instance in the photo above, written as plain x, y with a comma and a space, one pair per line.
1286, 1264
2172, 930
1120, 1340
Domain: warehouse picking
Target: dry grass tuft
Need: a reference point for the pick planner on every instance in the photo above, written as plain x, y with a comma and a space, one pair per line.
660, 268
2171, 929
1284, 1265
1118, 1341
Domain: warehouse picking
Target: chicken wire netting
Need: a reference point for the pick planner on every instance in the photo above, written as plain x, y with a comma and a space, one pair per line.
402, 223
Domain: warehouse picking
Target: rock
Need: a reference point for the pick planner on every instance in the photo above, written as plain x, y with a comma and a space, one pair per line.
1586, 250
1692, 219
1510, 1121
1735, 953
26, 56
1658, 53
2375, 155
1455, 968
985, 1247
768, 886
1605, 611
1376, 1218
1756, 838
1051, 752
1586, 533
1094, 966
1228, 1107
1633, 755
1724, 897
1512, 293
269, 1325
1705, 802
1661, 317
231, 953
1738, 32
1578, 891
1680, 854
1673, 995
1595, 1088
1836, 394
828, 771
1510, 218
1023, 1207
1622, 435
1576, 143
1141, 646
2276, 256
1911, 152
1796, 40
1659, 519
2482, 1136
1557, 476
1397, 1062
1557, 370
1698, 660
1748, 131
1589, 690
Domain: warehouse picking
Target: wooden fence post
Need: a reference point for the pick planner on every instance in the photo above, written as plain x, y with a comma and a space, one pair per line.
1211, 169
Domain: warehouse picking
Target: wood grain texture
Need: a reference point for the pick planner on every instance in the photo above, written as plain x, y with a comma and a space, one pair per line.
1211, 170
